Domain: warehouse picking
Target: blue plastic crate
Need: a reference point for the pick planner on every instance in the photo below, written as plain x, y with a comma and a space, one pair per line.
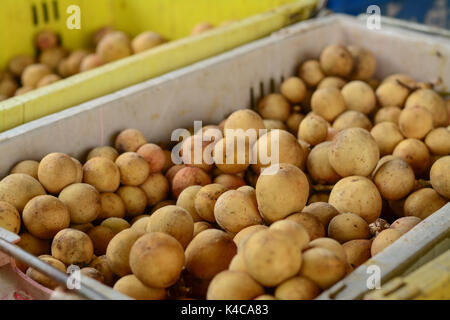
431, 12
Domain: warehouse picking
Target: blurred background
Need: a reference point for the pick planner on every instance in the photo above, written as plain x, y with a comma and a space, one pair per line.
430, 12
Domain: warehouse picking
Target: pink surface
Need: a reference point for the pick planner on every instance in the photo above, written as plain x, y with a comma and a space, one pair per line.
16, 285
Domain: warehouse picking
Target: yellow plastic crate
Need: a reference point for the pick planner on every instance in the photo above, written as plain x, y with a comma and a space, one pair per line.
20, 20
430, 282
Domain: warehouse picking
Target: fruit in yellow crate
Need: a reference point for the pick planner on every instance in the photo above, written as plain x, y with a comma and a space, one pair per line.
156, 188
395, 179
100, 33
323, 211
83, 202
329, 244
209, 253
312, 224
118, 251
423, 203
383, 240
245, 234
387, 135
277, 146
157, 259
102, 173
415, 153
134, 170
415, 122
405, 224
146, 40
352, 119
391, 114
134, 200
357, 195
201, 27
112, 206
431, 100
205, 200
323, 267
281, 193
100, 237
357, 251
365, 63
116, 224
293, 89
392, 94
319, 197
56, 171
52, 57
79, 167
332, 82
114, 46
440, 177
18, 189
71, 65
101, 264
294, 230
9, 217
271, 257
18, 64
438, 141
72, 247
47, 80
234, 210
319, 166
43, 279
131, 286
129, 140
297, 288
233, 285
311, 73
328, 103
23, 90
274, 106
174, 221
336, 60
354, 152
91, 61
359, 96
348, 226
8, 87
46, 39
29, 167
154, 155
105, 152
189, 176
313, 129
33, 74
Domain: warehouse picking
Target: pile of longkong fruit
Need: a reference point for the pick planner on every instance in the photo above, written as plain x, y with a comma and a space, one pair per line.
361, 162
53, 62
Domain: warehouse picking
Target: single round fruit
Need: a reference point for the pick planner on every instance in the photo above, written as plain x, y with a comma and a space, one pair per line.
357, 195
